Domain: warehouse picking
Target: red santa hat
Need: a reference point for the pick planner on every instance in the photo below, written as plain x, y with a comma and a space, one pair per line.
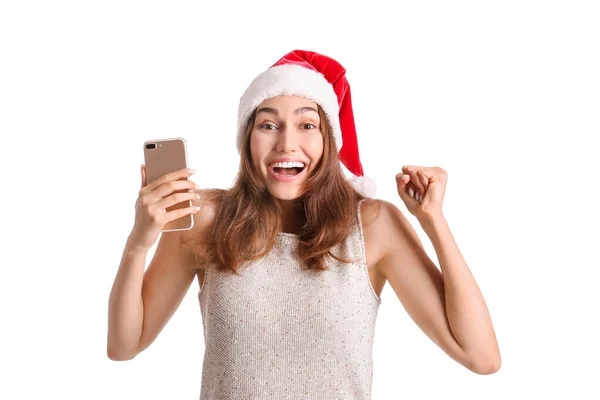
320, 79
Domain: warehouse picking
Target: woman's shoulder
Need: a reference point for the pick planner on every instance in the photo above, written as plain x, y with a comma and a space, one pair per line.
382, 214
376, 210
371, 210
377, 219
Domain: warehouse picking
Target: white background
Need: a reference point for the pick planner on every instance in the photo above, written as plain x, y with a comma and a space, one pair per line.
503, 95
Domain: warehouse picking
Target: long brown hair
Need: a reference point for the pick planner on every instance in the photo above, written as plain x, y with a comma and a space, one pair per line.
248, 218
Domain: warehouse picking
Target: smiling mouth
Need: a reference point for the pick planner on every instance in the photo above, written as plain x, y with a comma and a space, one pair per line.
287, 171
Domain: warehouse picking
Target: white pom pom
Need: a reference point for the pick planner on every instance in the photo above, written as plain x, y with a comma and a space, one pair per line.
365, 185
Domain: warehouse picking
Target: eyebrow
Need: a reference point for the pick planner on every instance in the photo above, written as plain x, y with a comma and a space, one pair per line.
274, 111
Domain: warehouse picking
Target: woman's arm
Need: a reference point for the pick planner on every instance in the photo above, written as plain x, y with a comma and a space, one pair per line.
467, 312
125, 305
141, 304
447, 305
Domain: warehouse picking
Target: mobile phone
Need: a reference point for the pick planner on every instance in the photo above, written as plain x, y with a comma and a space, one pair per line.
162, 156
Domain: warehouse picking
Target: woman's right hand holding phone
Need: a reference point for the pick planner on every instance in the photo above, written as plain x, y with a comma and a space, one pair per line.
150, 208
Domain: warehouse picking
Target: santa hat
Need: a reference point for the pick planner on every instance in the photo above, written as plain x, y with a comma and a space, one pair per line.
320, 79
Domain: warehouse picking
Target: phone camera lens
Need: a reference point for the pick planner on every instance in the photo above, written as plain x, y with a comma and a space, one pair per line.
151, 146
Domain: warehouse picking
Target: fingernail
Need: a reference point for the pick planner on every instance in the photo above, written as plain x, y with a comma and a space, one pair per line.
191, 171
411, 192
198, 186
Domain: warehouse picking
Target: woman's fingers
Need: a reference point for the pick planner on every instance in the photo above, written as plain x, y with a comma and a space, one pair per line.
414, 178
144, 178
423, 179
176, 198
171, 176
169, 188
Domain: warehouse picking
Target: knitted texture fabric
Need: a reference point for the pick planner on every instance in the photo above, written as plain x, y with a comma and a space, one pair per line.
279, 331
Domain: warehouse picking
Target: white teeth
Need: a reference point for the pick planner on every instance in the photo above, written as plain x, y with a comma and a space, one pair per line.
292, 164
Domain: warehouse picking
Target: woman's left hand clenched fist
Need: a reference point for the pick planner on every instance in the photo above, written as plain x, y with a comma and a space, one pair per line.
422, 190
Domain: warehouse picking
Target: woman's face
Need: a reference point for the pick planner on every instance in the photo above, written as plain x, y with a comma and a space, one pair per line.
286, 128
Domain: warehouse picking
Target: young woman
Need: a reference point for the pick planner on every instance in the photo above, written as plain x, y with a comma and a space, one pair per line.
291, 261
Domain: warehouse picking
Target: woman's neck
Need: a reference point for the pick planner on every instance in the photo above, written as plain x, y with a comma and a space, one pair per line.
291, 217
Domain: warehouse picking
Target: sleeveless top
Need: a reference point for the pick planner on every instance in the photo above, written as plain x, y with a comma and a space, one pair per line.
278, 331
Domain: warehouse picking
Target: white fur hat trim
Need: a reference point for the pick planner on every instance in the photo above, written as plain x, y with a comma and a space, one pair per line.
289, 80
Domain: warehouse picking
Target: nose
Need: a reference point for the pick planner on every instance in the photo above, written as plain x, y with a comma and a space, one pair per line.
287, 140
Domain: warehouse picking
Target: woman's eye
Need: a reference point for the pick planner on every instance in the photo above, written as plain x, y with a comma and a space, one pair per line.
268, 126
309, 125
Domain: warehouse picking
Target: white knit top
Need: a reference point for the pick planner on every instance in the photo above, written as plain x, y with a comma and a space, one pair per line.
281, 332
